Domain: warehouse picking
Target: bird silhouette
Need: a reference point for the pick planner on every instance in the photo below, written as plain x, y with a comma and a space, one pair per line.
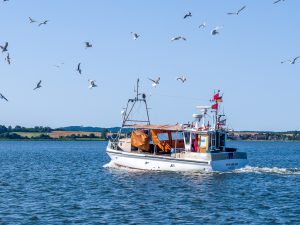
8, 58
79, 68
291, 61
88, 44
181, 78
32, 20
215, 31
189, 14
43, 23
202, 25
155, 82
92, 84
178, 38
278, 1
4, 48
3, 97
38, 85
237, 12
135, 35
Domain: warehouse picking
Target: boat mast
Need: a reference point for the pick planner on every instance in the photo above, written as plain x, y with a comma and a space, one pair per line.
131, 104
217, 98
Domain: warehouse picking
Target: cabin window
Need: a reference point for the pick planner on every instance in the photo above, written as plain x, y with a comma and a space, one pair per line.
177, 136
222, 141
212, 138
217, 136
203, 141
163, 136
187, 136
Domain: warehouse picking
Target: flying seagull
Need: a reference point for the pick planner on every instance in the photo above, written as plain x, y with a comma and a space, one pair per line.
216, 30
4, 48
155, 82
8, 58
43, 23
238, 12
293, 61
135, 35
202, 25
278, 1
88, 44
92, 84
178, 38
3, 97
78, 68
38, 85
187, 15
181, 78
32, 20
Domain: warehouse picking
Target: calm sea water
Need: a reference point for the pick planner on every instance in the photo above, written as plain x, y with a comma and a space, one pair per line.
68, 182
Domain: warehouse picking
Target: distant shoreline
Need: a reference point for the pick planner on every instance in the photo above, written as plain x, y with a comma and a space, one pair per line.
58, 140
105, 140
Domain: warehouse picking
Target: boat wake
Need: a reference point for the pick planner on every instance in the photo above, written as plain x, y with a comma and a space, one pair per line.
247, 169
267, 170
113, 165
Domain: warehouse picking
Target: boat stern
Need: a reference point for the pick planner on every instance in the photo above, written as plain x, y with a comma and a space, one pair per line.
228, 161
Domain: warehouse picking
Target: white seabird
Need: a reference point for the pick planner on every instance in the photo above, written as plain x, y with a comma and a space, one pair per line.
155, 82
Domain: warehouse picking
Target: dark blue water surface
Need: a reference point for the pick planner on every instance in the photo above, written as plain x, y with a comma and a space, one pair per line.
67, 182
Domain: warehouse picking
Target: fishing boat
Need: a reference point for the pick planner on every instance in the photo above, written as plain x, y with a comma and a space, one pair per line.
196, 146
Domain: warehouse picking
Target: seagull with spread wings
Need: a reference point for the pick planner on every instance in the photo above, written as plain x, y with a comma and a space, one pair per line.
181, 78
7, 59
202, 25
237, 12
291, 61
43, 23
92, 84
155, 82
88, 44
79, 68
189, 14
178, 38
278, 1
4, 48
32, 20
38, 85
3, 97
135, 35
215, 31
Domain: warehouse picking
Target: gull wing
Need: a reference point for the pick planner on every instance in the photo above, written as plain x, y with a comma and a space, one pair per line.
152, 80
241, 9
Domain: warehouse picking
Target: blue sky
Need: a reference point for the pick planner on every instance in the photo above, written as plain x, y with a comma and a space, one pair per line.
243, 61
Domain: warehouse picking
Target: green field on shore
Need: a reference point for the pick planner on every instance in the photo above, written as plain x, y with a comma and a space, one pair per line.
29, 134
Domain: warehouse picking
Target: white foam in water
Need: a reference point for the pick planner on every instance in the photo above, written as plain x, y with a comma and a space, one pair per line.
247, 169
112, 165
274, 170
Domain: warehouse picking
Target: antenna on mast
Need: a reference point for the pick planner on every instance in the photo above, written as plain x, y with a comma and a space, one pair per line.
137, 88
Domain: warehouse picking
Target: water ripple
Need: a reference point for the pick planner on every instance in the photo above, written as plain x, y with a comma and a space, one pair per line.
73, 182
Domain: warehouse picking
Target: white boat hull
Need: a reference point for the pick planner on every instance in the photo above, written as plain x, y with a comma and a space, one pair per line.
168, 163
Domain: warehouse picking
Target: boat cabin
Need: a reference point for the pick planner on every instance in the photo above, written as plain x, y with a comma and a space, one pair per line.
168, 139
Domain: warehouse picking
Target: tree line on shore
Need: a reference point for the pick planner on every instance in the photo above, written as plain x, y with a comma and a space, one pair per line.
42, 133
40, 129
265, 136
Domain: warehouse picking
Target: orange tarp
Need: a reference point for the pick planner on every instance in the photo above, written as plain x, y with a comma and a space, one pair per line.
140, 140
163, 145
